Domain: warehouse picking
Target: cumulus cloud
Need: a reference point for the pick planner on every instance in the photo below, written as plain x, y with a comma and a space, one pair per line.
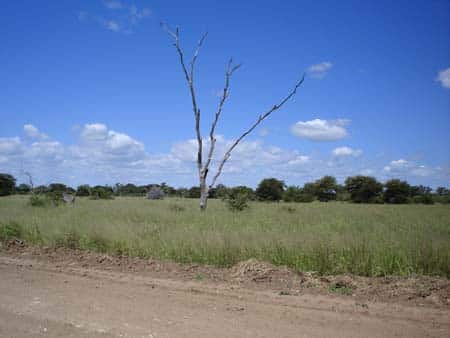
319, 70
33, 132
112, 26
113, 4
101, 155
248, 155
321, 130
346, 151
117, 16
404, 168
444, 78
98, 143
10, 146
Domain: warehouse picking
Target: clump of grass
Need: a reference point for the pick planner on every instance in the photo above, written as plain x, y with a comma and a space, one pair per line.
341, 289
39, 200
70, 239
97, 242
289, 209
176, 207
10, 230
120, 248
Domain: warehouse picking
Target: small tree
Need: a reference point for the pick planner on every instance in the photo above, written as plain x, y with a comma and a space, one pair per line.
326, 188
270, 189
363, 189
83, 190
237, 198
23, 189
396, 191
442, 191
7, 184
203, 164
292, 194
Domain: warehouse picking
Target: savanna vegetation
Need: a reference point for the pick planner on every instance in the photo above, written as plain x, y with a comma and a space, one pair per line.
335, 237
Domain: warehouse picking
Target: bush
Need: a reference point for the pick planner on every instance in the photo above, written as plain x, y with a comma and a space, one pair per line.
55, 198
7, 184
83, 190
101, 193
325, 188
306, 198
292, 193
237, 199
10, 230
270, 189
363, 189
423, 199
38, 200
71, 240
23, 189
297, 194
193, 192
396, 191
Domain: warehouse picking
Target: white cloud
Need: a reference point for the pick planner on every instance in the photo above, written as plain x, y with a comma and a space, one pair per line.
112, 25
319, 70
45, 150
33, 132
321, 130
98, 143
113, 4
10, 145
117, 16
404, 168
299, 160
444, 78
263, 132
104, 156
346, 151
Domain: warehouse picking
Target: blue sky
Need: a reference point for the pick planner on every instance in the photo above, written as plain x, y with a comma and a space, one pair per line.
92, 91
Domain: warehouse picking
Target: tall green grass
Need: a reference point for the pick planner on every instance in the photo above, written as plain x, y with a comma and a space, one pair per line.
329, 238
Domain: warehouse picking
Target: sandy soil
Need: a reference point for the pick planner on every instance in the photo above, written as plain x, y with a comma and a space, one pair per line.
54, 293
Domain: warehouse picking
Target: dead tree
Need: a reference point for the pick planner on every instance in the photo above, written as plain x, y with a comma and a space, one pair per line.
203, 167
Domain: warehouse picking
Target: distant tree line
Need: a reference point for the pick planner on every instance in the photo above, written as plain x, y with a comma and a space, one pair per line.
357, 189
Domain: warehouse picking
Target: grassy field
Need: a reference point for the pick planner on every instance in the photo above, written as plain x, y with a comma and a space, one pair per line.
328, 238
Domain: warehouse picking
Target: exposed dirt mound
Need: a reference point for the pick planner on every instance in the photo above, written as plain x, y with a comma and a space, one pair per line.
254, 270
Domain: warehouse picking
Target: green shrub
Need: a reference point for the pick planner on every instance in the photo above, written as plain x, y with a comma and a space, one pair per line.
71, 240
176, 207
423, 199
37, 200
237, 200
270, 189
101, 193
7, 184
97, 242
305, 198
120, 248
10, 230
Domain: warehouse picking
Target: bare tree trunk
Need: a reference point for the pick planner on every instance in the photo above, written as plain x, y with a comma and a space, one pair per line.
203, 193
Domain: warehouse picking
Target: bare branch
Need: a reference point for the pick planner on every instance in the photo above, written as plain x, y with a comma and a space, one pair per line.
197, 50
253, 126
190, 80
30, 179
225, 94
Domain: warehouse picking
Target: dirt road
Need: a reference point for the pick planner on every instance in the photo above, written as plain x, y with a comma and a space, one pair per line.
39, 298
